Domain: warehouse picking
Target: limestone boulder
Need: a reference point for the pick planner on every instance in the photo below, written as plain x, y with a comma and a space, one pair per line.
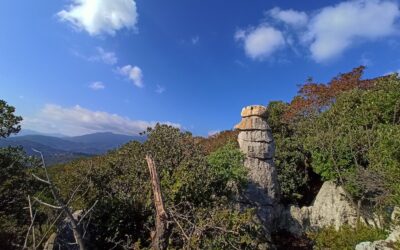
332, 206
376, 245
294, 219
387, 244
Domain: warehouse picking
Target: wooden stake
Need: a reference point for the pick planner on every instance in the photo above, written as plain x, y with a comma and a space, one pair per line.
162, 232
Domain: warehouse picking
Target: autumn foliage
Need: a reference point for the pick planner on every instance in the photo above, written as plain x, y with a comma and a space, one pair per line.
314, 98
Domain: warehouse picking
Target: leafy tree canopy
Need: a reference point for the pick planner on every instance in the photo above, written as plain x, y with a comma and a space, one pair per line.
9, 122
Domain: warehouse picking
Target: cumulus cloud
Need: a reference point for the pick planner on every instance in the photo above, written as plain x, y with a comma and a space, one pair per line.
260, 42
335, 28
78, 120
133, 73
325, 33
100, 16
97, 85
290, 17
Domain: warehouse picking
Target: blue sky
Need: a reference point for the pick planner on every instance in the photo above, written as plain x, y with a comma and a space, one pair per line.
82, 66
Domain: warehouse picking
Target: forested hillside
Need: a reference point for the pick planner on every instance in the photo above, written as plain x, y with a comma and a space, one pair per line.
64, 149
346, 131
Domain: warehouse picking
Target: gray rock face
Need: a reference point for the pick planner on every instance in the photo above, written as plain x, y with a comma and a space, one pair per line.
387, 244
376, 245
256, 136
295, 220
260, 150
263, 174
256, 142
331, 207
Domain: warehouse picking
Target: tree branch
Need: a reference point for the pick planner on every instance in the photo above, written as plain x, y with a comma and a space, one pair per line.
47, 204
40, 179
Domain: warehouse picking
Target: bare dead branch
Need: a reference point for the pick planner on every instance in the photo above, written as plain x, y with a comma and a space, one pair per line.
50, 228
180, 227
40, 179
87, 212
31, 227
47, 204
62, 205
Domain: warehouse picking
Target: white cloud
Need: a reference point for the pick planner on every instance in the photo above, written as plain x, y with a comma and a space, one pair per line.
160, 89
134, 73
101, 55
325, 33
260, 42
104, 56
336, 28
101, 16
290, 17
77, 121
97, 85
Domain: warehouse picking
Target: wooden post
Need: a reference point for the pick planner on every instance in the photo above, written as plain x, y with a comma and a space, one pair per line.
162, 232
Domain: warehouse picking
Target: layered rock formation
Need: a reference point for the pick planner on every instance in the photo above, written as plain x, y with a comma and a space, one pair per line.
256, 141
331, 207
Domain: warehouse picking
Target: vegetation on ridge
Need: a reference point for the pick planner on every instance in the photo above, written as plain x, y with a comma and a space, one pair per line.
347, 130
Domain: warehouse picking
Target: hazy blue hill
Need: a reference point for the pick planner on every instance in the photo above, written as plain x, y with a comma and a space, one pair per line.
57, 150
52, 142
50, 154
104, 141
25, 132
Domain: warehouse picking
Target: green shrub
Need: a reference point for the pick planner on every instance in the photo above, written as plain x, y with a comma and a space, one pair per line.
346, 237
197, 191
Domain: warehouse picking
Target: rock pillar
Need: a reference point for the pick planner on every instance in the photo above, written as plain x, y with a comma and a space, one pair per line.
256, 141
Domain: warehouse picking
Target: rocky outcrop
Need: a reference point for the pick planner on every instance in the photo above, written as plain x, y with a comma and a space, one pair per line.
388, 244
64, 238
295, 220
256, 141
331, 207
391, 242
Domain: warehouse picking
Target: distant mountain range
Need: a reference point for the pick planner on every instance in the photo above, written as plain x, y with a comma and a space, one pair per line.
61, 149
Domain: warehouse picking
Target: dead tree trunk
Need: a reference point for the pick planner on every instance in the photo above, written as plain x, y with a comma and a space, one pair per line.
76, 228
161, 235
